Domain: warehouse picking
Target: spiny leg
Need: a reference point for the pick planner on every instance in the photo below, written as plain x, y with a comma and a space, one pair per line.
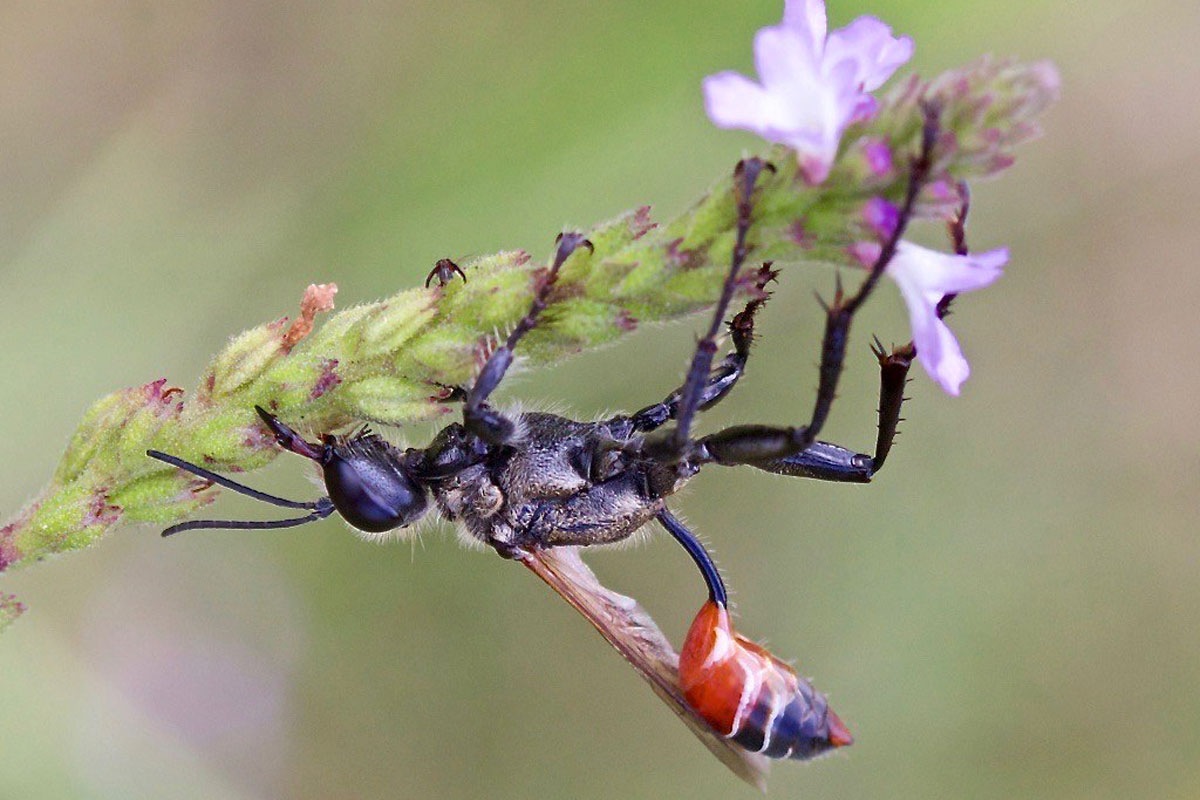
485, 422
740, 689
840, 313
691, 395
782, 450
893, 377
833, 463
725, 375
894, 365
822, 460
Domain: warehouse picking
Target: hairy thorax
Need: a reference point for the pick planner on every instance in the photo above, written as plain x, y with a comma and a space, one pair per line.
561, 482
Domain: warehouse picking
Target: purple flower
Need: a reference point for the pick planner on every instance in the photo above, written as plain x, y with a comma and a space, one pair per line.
881, 216
924, 277
879, 157
813, 85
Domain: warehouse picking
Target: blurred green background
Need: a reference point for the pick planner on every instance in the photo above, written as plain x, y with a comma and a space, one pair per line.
1012, 610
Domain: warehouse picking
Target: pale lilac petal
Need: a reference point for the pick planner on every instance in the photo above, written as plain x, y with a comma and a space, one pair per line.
860, 42
812, 85
946, 273
946, 364
937, 349
844, 102
894, 55
869, 44
816, 148
807, 17
924, 276
787, 63
735, 101
974, 271
841, 81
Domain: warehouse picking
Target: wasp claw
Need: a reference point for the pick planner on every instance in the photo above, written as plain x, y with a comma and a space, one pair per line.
444, 271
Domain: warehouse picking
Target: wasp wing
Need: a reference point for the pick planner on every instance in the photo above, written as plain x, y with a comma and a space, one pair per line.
627, 627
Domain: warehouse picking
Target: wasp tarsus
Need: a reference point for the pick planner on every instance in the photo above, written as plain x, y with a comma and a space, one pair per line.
443, 272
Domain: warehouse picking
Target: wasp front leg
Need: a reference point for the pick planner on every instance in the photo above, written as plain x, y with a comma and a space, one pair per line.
740, 689
480, 418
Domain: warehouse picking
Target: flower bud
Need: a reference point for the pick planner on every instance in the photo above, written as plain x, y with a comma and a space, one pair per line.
390, 324
389, 400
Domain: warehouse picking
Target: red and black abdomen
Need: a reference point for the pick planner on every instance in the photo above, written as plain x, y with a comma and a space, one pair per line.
750, 696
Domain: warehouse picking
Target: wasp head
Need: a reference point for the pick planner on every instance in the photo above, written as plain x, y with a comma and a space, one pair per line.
371, 484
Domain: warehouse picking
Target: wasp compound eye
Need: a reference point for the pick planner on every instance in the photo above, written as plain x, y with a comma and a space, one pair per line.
372, 494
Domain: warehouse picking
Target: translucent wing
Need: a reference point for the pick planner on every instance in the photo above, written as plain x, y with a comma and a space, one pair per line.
627, 627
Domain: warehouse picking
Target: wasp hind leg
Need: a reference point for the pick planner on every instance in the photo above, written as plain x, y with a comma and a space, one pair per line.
773, 448
741, 690
783, 450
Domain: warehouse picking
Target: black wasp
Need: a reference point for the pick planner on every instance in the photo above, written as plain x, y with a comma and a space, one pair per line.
525, 483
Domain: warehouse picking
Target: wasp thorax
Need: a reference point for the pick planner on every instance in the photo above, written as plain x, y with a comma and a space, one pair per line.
370, 488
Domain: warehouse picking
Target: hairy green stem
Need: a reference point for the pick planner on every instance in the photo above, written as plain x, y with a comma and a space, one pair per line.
388, 361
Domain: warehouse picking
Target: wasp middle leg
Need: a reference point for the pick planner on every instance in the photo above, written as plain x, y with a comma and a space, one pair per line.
698, 383
725, 375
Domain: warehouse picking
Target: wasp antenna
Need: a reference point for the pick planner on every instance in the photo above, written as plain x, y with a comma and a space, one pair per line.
323, 509
228, 484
